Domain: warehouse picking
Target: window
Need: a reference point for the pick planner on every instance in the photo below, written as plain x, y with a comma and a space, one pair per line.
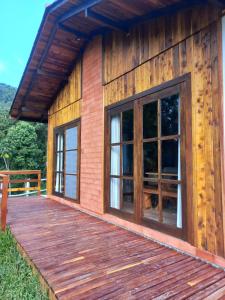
59, 184
66, 172
149, 159
121, 153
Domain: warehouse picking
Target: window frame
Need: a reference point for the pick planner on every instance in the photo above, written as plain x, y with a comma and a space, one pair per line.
181, 86
158, 96
121, 177
62, 129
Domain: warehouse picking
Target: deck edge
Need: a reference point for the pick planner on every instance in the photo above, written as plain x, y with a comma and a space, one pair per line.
43, 282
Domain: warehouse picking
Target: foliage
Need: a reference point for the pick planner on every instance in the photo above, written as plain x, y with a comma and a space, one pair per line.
17, 282
22, 144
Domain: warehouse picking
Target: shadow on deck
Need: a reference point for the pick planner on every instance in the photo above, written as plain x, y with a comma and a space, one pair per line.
83, 257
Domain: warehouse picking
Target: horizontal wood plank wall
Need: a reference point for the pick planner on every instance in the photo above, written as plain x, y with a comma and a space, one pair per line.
185, 43
65, 109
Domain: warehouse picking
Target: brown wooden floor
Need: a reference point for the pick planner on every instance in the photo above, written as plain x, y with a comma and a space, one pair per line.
83, 257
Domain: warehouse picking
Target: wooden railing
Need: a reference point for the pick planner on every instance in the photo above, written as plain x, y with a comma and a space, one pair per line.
6, 184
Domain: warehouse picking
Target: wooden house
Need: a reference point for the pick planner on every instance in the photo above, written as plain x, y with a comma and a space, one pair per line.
132, 92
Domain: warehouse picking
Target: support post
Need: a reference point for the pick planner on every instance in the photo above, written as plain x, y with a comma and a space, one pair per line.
39, 183
5, 183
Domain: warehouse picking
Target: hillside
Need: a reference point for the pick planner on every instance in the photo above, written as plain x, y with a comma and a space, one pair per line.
7, 94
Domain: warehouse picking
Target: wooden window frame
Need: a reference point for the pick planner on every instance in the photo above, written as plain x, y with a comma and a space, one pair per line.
62, 129
126, 107
181, 85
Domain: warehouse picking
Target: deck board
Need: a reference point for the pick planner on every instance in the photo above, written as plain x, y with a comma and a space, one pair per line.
83, 257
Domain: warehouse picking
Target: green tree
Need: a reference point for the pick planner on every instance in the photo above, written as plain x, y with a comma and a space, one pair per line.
5, 123
21, 146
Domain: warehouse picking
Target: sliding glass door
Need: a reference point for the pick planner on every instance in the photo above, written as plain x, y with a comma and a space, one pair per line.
66, 173
147, 170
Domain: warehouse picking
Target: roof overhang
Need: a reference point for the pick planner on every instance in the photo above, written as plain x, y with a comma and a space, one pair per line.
66, 28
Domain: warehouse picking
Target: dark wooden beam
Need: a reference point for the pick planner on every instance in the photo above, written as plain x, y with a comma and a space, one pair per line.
78, 34
100, 19
52, 35
51, 74
56, 5
78, 9
41, 119
28, 89
33, 110
168, 10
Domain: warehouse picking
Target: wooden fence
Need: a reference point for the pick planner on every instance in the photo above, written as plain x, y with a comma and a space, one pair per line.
6, 187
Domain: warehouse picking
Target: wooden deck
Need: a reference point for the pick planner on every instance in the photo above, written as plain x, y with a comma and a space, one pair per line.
83, 257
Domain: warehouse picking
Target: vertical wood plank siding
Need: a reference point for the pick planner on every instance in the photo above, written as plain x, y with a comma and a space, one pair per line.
65, 109
150, 54
159, 51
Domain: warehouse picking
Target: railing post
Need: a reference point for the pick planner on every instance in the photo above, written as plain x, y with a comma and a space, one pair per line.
39, 183
27, 186
5, 185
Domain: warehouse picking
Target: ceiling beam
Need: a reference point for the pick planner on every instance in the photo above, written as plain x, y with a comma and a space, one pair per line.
64, 17
78, 34
51, 74
78, 9
25, 109
104, 20
52, 35
171, 9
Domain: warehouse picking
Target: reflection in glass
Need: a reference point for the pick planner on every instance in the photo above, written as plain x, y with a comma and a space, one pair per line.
170, 157
61, 190
71, 186
169, 206
127, 160
57, 182
128, 196
115, 193
59, 138
150, 153
71, 162
71, 138
115, 129
169, 188
151, 206
59, 162
169, 115
128, 127
152, 185
150, 120
115, 160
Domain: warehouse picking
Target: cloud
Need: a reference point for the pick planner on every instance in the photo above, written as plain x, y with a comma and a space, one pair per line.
2, 66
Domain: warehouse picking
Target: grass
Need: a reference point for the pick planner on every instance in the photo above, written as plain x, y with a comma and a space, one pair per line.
17, 281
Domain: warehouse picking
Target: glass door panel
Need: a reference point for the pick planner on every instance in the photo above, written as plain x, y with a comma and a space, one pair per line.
162, 201
66, 172
71, 162
122, 161
59, 164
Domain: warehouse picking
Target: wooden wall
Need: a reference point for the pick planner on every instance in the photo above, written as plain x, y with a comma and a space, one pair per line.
65, 109
159, 51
